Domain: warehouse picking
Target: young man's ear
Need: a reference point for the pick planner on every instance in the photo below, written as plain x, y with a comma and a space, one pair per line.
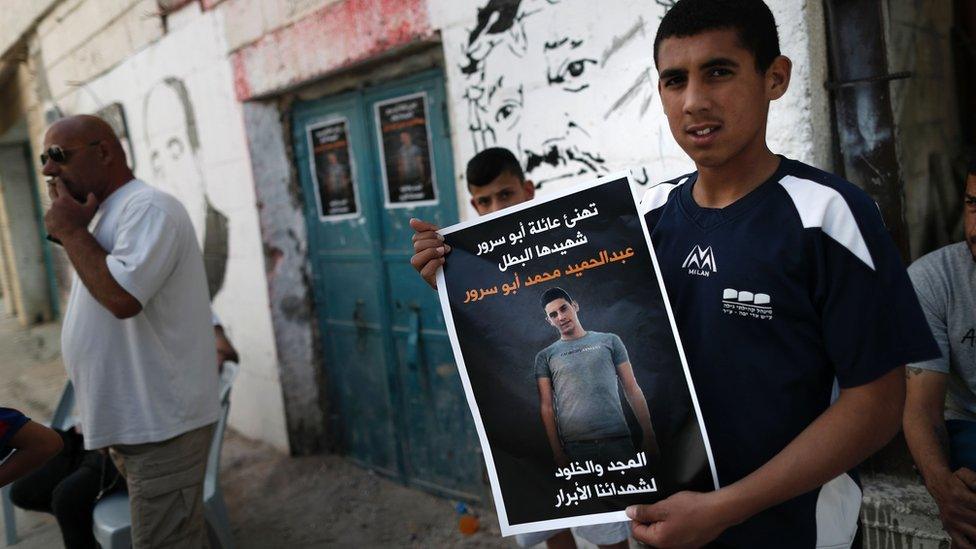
778, 77
529, 188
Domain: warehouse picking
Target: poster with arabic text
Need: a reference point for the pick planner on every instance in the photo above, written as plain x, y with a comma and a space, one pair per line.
570, 360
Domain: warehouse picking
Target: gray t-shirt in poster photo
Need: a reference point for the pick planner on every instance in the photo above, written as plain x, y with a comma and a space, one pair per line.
584, 385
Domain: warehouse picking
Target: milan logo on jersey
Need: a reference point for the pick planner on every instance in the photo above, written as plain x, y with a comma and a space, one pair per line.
700, 262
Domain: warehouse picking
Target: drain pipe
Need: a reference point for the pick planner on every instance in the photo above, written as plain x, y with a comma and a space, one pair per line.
863, 120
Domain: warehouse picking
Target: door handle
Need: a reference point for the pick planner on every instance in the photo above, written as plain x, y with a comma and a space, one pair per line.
359, 319
414, 356
413, 338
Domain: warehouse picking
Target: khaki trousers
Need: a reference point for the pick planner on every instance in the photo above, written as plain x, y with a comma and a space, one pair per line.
165, 481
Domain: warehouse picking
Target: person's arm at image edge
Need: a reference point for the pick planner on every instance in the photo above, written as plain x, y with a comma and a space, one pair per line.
638, 404
863, 419
928, 441
924, 418
34, 445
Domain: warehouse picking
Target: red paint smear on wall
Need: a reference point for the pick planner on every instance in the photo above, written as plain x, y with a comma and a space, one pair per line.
338, 35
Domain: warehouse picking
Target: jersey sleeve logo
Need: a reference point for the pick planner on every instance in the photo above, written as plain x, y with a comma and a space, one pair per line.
700, 262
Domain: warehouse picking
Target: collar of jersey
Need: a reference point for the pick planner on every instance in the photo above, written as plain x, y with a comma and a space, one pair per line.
708, 219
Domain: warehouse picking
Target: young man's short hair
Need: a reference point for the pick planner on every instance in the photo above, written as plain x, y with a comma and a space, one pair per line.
971, 161
487, 165
552, 294
750, 19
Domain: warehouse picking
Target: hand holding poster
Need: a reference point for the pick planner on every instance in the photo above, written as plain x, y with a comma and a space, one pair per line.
570, 360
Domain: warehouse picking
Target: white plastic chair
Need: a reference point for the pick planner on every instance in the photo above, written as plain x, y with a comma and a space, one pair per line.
62, 419
112, 522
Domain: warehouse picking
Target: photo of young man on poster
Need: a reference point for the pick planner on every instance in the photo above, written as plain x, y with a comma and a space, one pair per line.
578, 377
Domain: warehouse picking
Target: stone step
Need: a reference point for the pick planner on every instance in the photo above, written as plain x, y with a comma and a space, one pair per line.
899, 513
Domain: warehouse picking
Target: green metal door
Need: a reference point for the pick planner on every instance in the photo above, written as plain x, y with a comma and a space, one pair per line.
369, 161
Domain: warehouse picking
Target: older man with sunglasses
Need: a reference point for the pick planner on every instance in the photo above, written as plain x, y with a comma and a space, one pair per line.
137, 339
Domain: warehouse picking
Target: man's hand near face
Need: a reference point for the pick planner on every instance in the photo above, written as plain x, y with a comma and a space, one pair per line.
66, 214
429, 250
67, 220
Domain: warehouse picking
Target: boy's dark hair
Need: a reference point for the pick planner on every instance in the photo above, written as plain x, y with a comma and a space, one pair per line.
750, 19
553, 294
971, 162
487, 165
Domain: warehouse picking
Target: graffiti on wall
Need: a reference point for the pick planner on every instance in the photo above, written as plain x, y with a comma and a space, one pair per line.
114, 115
567, 91
173, 143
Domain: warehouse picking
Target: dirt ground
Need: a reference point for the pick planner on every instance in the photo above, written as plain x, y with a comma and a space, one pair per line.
273, 500
327, 501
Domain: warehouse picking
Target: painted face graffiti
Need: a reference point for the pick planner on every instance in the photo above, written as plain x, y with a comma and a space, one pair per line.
562, 89
171, 135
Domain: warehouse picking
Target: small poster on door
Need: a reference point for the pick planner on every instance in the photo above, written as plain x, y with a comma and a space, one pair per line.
333, 171
570, 360
407, 165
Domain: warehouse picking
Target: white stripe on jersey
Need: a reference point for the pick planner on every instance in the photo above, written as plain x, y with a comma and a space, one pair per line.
823, 207
656, 196
838, 506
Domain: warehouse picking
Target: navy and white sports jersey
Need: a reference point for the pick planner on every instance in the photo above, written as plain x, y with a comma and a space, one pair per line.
775, 296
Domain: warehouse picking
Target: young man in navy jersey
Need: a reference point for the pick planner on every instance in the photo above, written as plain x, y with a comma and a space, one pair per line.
784, 282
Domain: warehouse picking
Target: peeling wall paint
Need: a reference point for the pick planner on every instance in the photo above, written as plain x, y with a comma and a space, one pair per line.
336, 36
284, 238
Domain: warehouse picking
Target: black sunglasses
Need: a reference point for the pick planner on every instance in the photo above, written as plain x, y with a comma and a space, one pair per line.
59, 154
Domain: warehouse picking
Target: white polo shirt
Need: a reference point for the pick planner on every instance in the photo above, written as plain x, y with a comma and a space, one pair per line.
150, 377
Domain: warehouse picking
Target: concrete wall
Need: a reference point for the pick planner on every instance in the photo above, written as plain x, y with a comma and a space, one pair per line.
20, 231
283, 233
588, 105
928, 132
173, 102
17, 18
25, 281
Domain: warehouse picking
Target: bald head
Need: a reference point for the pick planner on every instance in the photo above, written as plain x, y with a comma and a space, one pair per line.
85, 128
94, 160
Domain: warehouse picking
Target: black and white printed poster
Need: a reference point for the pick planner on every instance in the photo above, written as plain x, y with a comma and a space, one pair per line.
404, 135
332, 167
570, 360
